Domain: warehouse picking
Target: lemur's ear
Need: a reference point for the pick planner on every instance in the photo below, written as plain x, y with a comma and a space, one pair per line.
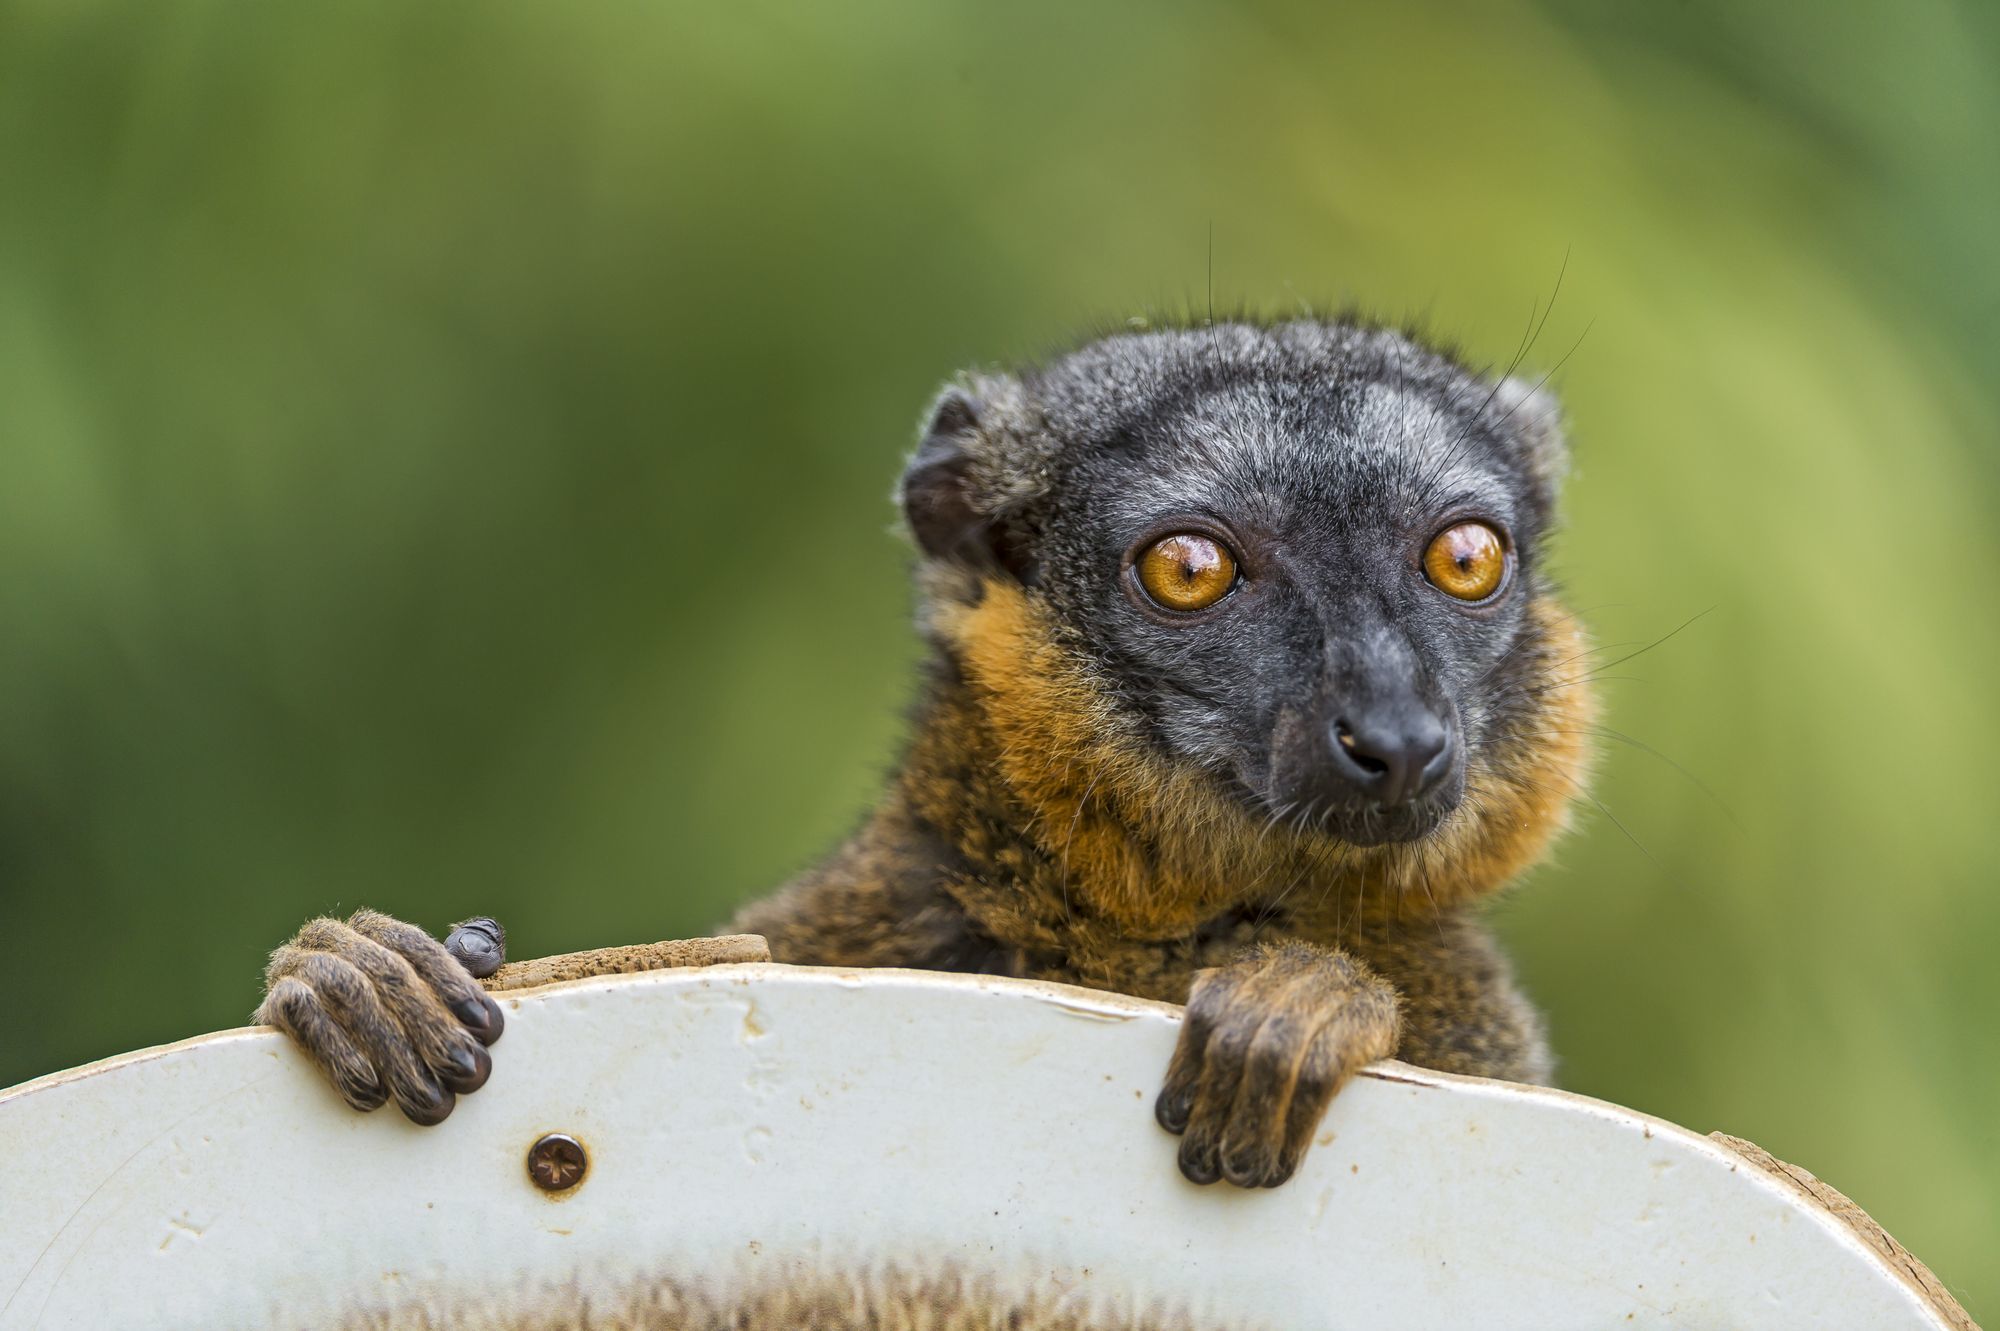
945, 490
937, 485
1533, 416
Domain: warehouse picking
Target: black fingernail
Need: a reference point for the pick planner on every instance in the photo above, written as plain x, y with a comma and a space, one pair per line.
1198, 1167
1242, 1171
431, 1114
364, 1097
495, 1023
473, 1014
468, 1070
1171, 1111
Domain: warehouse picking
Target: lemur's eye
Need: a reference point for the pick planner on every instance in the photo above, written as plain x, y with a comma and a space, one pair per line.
1186, 571
1468, 561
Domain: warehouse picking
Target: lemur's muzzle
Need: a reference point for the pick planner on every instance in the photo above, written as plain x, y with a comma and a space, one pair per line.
1378, 749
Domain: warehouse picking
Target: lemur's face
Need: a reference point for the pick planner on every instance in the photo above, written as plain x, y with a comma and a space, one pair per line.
1302, 558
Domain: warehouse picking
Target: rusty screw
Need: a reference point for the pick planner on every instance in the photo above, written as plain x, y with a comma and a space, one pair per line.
557, 1162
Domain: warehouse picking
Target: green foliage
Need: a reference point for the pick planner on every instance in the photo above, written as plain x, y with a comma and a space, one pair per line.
443, 452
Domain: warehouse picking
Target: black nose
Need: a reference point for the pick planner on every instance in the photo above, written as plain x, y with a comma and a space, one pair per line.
1392, 758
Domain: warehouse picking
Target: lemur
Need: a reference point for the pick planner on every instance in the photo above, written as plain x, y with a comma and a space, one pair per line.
1246, 684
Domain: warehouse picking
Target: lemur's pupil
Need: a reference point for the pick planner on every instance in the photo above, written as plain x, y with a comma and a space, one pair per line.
1186, 571
1468, 561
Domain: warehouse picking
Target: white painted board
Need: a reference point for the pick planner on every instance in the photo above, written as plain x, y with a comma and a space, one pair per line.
747, 1123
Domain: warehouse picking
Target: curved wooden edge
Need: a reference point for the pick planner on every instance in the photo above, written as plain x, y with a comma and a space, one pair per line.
725, 950
1836, 1203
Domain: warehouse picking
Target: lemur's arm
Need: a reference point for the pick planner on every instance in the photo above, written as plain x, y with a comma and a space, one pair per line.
1267, 1042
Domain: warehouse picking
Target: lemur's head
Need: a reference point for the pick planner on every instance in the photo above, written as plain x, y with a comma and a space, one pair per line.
1303, 560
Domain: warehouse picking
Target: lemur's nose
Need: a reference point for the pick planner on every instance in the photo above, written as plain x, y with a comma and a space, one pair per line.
1393, 757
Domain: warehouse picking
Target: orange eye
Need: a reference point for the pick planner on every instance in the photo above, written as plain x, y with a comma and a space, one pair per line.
1468, 561
1186, 571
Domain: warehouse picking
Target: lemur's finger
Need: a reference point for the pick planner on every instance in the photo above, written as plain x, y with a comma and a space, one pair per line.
1325, 1069
1253, 1139
352, 998
1361, 1023
1176, 1099
293, 1008
443, 972
478, 944
1222, 1064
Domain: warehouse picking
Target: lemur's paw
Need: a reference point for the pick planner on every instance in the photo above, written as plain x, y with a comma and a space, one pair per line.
1266, 1043
387, 1010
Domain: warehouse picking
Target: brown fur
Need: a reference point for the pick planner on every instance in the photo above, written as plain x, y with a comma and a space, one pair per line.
881, 1300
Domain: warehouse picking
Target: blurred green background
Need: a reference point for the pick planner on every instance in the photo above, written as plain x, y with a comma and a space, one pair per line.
444, 453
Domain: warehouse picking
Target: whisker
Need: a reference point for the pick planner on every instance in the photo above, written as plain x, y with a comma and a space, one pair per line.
1663, 639
1605, 809
1700, 785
